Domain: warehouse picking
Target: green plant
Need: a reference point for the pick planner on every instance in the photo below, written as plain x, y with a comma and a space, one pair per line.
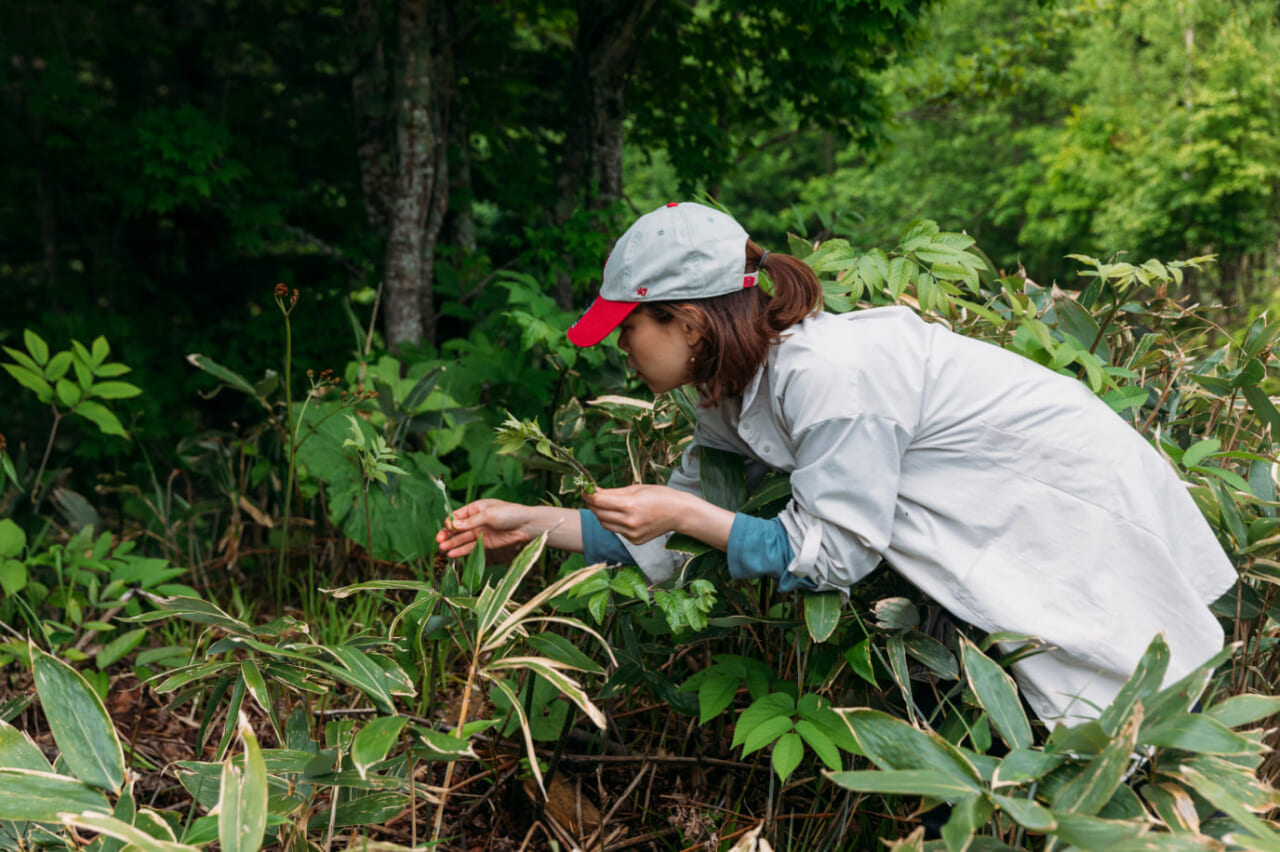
79, 381
73, 597
89, 788
513, 435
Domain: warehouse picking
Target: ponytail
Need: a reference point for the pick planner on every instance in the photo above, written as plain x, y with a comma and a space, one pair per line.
796, 291
736, 330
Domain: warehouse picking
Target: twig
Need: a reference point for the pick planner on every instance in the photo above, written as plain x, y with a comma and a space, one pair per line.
604, 820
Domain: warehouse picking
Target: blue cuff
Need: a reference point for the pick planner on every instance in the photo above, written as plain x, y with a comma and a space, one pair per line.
758, 547
600, 545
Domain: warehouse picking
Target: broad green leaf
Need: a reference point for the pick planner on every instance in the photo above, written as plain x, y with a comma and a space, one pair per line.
32, 381
12, 538
115, 390
135, 837
41, 796
101, 349
821, 744
1264, 408
1026, 813
764, 708
68, 392
191, 609
1243, 709
242, 803
257, 688
563, 650
1089, 832
905, 782
859, 659
1022, 765
893, 744
967, 816
58, 366
115, 650
440, 746
358, 670
1095, 783
222, 374
1144, 681
900, 273
374, 740
821, 614
1240, 781
1199, 733
36, 346
766, 732
1199, 451
715, 694
368, 809
787, 752
1174, 805
79, 722
17, 751
932, 653
100, 416
723, 477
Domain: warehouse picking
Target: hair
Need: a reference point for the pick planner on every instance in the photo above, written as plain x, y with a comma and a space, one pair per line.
736, 330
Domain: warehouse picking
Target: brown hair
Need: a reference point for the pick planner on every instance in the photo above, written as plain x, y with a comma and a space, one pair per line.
736, 330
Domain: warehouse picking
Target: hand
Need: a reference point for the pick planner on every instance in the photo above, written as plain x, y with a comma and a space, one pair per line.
639, 513
499, 524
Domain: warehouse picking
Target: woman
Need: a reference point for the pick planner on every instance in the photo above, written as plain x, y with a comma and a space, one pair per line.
1008, 493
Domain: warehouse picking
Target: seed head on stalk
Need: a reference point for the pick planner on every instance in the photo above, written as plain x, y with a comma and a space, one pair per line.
514, 434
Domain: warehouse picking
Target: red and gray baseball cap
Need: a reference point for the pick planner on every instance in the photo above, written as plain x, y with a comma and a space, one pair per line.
680, 251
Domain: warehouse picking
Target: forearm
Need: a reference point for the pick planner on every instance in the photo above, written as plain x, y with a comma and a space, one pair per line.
563, 526
702, 520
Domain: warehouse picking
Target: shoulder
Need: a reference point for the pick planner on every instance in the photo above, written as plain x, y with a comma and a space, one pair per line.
851, 343
864, 362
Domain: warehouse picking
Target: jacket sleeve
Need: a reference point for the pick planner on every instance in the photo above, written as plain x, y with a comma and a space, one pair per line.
844, 495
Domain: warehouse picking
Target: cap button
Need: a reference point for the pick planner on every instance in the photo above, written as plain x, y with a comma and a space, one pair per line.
673, 203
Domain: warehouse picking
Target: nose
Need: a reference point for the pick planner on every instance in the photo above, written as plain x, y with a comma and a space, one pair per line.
624, 343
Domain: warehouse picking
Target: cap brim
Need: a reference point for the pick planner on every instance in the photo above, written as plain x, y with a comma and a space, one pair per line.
601, 318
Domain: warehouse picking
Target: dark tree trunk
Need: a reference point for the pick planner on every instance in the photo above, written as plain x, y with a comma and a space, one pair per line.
370, 89
610, 36
403, 166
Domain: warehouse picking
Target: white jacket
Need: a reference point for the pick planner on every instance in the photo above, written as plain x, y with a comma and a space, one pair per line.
1009, 494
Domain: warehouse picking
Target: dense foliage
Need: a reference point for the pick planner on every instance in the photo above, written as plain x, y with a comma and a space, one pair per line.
397, 679
221, 468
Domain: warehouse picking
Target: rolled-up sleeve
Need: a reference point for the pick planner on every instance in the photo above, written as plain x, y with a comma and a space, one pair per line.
844, 496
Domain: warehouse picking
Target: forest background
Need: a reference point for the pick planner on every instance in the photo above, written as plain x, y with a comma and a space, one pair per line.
414, 199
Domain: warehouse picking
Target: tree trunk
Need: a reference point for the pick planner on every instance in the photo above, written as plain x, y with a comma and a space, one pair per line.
371, 94
407, 287
610, 36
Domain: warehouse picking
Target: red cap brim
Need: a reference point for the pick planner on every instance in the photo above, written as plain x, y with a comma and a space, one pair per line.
601, 318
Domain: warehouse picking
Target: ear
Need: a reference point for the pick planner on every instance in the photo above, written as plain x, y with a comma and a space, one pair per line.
691, 334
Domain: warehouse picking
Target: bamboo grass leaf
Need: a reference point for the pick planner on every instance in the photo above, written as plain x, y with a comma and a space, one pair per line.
997, 694
42, 796
502, 631
1093, 787
135, 837
494, 605
821, 614
374, 740
79, 722
516, 705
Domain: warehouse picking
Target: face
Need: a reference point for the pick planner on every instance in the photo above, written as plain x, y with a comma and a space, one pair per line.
658, 351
